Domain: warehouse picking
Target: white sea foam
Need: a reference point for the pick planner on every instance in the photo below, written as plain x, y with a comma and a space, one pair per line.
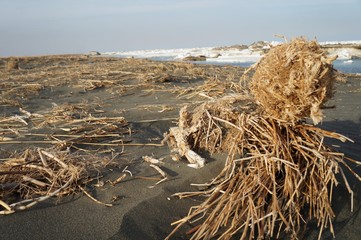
212, 55
358, 42
175, 53
225, 55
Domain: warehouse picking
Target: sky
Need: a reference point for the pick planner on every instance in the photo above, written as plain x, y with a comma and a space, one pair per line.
39, 27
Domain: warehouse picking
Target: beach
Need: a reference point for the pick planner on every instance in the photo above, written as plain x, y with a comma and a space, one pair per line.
148, 95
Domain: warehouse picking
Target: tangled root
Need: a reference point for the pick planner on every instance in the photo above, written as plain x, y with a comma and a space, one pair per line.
293, 80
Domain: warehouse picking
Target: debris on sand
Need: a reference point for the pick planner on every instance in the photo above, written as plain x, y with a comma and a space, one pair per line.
279, 174
293, 80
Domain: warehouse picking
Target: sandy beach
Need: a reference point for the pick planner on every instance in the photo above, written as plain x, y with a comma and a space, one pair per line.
148, 95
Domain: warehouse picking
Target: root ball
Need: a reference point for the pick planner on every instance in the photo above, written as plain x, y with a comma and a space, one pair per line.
293, 80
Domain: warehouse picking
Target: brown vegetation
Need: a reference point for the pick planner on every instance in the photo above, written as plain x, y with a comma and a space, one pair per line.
113, 74
293, 80
64, 146
279, 174
12, 64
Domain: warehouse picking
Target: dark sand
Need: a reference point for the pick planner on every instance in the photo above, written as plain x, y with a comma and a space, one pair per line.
151, 106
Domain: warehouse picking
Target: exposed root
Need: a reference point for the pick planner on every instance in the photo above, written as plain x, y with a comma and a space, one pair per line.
277, 176
293, 80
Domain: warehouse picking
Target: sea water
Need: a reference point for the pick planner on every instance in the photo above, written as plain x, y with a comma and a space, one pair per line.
348, 66
345, 66
342, 65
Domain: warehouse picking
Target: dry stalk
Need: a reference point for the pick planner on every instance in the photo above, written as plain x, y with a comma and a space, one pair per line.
94, 199
41, 174
284, 177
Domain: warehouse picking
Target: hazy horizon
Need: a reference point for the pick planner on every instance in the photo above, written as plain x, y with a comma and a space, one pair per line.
41, 27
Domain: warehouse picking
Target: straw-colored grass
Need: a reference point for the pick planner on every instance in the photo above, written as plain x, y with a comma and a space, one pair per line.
12, 64
277, 177
80, 147
39, 174
112, 74
279, 174
293, 80
53, 151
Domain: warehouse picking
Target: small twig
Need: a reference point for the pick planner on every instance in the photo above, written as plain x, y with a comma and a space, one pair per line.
161, 172
35, 201
92, 198
43, 160
127, 171
119, 179
116, 155
62, 164
347, 186
162, 180
151, 160
34, 181
6, 206
155, 120
148, 178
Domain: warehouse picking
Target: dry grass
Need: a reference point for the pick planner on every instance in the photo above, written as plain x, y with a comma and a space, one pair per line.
279, 174
79, 147
277, 177
38, 174
65, 126
12, 64
113, 74
54, 151
293, 80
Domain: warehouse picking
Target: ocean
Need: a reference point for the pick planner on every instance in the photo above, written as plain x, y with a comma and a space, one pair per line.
234, 56
342, 65
345, 66
244, 58
348, 66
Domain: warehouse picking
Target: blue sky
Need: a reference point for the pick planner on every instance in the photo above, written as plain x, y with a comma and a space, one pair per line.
37, 27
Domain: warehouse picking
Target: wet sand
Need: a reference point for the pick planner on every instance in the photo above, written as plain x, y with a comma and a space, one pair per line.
149, 95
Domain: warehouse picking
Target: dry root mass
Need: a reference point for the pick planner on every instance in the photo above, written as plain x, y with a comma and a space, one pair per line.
277, 176
279, 173
293, 80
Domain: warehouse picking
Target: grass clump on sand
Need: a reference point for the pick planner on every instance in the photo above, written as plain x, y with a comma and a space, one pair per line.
279, 174
78, 155
37, 175
12, 64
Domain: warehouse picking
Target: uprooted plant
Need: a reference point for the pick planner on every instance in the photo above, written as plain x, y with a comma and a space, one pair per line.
279, 173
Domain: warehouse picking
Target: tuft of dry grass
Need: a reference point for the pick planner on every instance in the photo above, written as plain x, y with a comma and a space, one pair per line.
279, 174
39, 174
12, 64
293, 80
81, 146
276, 178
